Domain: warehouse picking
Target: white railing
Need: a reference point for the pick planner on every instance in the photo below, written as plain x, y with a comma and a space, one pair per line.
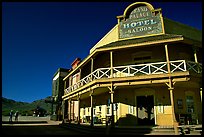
133, 70
196, 67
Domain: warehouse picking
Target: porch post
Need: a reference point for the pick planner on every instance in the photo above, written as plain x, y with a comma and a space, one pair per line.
91, 68
195, 49
111, 63
73, 110
63, 109
79, 73
91, 95
78, 98
65, 83
195, 54
112, 111
170, 84
201, 94
69, 107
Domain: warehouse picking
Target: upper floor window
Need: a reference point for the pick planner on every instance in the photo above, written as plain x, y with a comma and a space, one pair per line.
74, 79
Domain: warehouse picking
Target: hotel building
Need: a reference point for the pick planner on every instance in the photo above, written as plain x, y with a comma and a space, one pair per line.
145, 71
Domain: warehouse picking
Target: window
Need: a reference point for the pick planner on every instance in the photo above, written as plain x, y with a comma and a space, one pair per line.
130, 109
108, 106
94, 111
100, 108
84, 110
190, 104
108, 109
160, 108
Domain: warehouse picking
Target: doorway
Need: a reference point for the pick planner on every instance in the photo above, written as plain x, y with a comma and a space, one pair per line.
145, 110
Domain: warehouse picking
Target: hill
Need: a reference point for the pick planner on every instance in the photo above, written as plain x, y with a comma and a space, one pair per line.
24, 108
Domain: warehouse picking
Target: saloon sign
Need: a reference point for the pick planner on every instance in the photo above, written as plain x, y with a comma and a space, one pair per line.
141, 21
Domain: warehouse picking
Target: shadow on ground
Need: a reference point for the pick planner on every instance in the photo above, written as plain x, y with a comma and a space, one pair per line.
37, 130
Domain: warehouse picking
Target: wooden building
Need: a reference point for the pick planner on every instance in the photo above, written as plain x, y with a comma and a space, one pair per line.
57, 93
145, 71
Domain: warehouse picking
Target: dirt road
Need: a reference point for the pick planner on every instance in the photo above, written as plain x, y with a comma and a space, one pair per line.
33, 126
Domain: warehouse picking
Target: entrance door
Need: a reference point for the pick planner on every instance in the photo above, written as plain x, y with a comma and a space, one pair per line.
145, 110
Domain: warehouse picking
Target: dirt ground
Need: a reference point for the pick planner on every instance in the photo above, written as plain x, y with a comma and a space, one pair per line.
34, 126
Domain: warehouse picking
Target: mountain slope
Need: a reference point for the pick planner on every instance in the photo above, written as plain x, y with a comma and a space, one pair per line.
23, 107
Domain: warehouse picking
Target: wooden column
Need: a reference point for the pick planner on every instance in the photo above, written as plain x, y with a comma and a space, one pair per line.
73, 110
78, 98
195, 49
91, 95
92, 67
70, 109
111, 63
63, 110
195, 54
79, 73
201, 94
170, 85
65, 82
111, 101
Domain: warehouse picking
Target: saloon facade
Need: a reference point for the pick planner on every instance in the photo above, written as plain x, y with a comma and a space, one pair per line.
145, 71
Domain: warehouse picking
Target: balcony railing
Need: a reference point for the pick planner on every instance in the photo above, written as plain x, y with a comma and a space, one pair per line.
134, 70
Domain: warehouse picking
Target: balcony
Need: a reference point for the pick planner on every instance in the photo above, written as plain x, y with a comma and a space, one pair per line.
136, 70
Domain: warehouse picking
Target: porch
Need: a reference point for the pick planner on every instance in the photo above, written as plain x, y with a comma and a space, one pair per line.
129, 71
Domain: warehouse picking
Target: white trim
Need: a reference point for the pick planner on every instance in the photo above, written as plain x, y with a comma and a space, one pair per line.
57, 76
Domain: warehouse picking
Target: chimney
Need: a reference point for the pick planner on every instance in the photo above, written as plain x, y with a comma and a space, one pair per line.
75, 63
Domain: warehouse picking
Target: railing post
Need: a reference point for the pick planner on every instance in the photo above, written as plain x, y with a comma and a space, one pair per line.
184, 62
129, 71
98, 73
149, 68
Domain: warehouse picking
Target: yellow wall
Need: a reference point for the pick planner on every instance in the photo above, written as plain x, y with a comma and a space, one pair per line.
162, 106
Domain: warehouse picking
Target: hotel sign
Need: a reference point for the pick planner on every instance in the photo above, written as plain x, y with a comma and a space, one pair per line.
140, 22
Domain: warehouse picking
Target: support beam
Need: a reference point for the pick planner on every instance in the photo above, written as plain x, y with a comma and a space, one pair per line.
70, 110
171, 87
195, 49
65, 83
201, 94
73, 104
92, 61
63, 109
91, 95
111, 101
195, 54
111, 63
78, 98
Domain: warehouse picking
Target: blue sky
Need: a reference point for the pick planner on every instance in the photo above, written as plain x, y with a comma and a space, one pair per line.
40, 37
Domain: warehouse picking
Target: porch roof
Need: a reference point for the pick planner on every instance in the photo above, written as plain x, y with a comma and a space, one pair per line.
140, 40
